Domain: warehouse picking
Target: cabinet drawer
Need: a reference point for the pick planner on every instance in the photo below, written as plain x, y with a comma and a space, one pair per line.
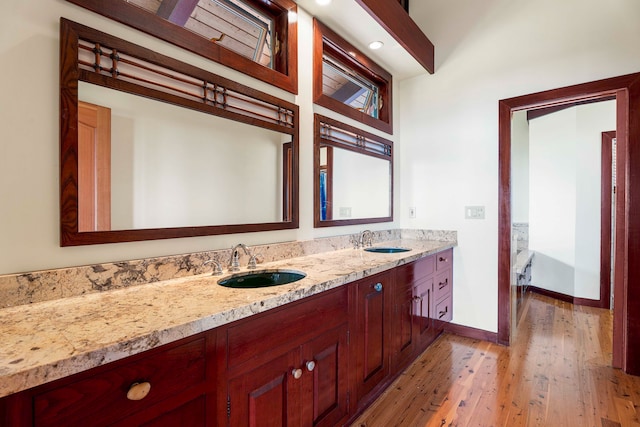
275, 330
416, 271
100, 399
444, 260
442, 286
444, 310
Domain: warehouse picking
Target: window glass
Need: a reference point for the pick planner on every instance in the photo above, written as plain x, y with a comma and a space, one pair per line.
348, 82
234, 24
347, 86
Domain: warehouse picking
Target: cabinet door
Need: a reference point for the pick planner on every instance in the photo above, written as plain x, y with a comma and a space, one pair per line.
325, 365
371, 332
423, 314
100, 397
267, 396
403, 314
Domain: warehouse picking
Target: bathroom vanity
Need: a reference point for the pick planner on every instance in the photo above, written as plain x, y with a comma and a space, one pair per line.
190, 352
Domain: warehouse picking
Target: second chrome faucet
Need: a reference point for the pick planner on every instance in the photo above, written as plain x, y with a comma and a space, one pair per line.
234, 261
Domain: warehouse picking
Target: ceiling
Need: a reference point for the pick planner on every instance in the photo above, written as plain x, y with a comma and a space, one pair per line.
341, 15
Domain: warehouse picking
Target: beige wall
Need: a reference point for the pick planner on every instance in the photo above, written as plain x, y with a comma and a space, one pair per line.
29, 188
486, 51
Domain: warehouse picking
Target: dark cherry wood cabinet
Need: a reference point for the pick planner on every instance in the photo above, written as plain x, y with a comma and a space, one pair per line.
371, 311
316, 362
422, 303
154, 388
443, 290
288, 367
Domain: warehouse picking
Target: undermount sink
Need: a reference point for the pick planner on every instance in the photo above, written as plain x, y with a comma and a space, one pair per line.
386, 250
262, 279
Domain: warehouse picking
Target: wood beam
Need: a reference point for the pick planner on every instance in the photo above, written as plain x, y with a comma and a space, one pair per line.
393, 18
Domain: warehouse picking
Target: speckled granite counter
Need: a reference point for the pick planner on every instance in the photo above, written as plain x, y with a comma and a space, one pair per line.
48, 340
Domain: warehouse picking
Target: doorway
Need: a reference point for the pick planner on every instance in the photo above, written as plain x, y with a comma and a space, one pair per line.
626, 92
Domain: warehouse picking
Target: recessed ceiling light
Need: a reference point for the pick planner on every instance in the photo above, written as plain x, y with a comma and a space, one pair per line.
323, 2
375, 45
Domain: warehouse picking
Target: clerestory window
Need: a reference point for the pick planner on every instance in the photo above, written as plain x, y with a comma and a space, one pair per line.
246, 35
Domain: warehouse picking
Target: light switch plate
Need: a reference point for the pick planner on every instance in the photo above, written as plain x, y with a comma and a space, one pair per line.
474, 212
345, 212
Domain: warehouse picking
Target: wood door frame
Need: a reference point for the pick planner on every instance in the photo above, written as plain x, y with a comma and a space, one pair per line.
606, 169
626, 89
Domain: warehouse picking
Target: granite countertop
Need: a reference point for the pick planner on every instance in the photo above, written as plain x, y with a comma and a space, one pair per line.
45, 341
523, 258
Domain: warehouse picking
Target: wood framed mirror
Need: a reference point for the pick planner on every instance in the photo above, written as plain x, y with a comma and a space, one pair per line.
353, 175
189, 153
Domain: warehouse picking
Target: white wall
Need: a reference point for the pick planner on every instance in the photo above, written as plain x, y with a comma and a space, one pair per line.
552, 200
486, 51
29, 149
565, 165
177, 167
519, 167
592, 121
361, 184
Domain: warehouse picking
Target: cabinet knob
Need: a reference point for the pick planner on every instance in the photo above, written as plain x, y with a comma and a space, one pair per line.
377, 287
417, 298
297, 373
138, 391
443, 259
311, 365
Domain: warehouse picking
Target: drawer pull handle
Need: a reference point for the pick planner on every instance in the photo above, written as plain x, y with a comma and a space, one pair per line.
442, 313
377, 287
443, 259
443, 284
138, 391
311, 365
297, 373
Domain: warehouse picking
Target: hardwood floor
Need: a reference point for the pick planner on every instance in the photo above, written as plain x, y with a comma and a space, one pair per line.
557, 373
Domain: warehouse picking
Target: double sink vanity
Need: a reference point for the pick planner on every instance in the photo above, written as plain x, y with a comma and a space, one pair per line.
315, 351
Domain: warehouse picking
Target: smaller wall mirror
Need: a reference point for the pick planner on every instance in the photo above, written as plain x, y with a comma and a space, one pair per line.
353, 175
348, 82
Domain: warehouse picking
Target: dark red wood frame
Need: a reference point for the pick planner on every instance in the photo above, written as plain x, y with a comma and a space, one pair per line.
626, 89
317, 142
605, 222
285, 76
69, 77
393, 18
327, 41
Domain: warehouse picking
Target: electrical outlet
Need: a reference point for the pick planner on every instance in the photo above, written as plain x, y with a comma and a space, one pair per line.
474, 212
412, 212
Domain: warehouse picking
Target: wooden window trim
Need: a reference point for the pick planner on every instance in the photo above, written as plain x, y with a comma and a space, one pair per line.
327, 41
285, 76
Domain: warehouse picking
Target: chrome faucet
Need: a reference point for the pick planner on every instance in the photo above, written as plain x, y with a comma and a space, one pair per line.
217, 268
366, 238
234, 262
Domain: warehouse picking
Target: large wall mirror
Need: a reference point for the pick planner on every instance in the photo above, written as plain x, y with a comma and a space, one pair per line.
353, 175
255, 37
153, 148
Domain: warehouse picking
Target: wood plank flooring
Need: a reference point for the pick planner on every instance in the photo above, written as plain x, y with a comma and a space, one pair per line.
557, 373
